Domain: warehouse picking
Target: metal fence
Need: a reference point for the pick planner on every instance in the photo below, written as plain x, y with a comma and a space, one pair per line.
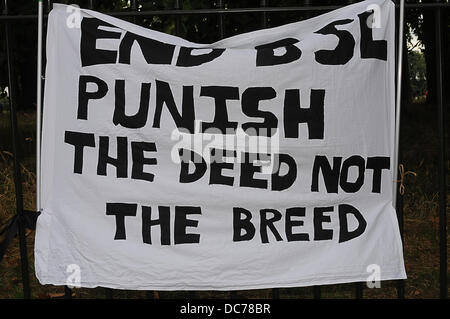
22, 219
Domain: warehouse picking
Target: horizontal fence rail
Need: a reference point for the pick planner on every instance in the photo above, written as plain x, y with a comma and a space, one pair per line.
135, 13
221, 11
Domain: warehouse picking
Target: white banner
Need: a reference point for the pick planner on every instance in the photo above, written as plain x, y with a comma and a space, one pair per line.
262, 160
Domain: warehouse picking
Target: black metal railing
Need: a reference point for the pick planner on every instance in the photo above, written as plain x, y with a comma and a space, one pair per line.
222, 12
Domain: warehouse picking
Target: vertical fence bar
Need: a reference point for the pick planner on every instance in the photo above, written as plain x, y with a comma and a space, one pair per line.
16, 161
275, 293
442, 160
398, 201
134, 7
67, 293
233, 294
398, 97
263, 4
221, 28
177, 6
307, 3
67, 290
317, 292
398, 101
48, 9
359, 290
108, 293
39, 106
400, 283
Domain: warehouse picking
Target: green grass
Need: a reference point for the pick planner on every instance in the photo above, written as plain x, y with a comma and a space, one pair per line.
419, 148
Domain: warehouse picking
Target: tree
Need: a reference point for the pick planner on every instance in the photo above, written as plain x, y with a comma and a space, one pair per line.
417, 73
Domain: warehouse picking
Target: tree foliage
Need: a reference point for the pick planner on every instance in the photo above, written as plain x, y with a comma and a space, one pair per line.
205, 28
